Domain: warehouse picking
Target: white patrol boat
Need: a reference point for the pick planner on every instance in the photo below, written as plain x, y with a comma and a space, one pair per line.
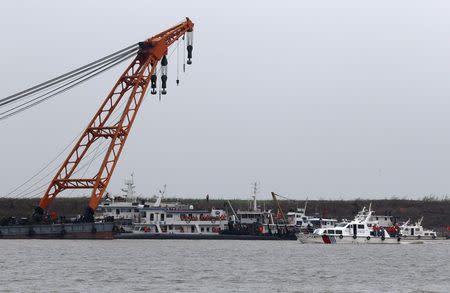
416, 231
361, 230
308, 223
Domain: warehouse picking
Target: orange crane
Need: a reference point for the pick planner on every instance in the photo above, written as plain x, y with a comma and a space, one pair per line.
131, 89
280, 213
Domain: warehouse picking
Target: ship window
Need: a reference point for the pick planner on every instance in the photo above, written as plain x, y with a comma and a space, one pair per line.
299, 223
207, 229
152, 217
136, 210
143, 214
350, 226
202, 229
169, 216
385, 218
377, 218
360, 226
192, 229
330, 231
162, 217
117, 211
170, 227
417, 229
338, 232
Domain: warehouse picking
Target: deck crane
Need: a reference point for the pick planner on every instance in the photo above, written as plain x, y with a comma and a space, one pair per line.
131, 89
278, 206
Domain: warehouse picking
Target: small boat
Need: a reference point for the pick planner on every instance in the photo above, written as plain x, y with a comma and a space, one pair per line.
309, 223
416, 231
362, 230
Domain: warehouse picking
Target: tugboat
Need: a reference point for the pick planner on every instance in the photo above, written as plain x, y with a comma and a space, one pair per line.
359, 231
258, 224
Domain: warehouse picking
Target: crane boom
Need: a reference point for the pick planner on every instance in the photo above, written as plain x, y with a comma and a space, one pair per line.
278, 206
129, 89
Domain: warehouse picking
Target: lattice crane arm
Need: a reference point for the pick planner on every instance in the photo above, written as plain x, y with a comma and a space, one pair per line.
131, 89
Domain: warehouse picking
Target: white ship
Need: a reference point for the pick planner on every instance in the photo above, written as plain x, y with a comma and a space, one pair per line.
362, 230
416, 231
309, 223
156, 218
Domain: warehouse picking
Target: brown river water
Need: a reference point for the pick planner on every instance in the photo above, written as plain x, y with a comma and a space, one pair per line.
220, 266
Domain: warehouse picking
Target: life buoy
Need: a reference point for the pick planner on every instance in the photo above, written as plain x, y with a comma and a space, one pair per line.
340, 236
382, 238
368, 237
354, 236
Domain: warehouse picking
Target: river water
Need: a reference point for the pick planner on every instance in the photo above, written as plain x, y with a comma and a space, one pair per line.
220, 266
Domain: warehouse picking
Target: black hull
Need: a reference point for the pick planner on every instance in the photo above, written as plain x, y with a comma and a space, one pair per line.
58, 231
199, 236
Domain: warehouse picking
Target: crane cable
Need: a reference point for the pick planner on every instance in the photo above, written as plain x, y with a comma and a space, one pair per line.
64, 87
67, 75
29, 190
97, 150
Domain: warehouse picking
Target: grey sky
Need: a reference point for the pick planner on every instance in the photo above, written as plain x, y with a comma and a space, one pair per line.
331, 99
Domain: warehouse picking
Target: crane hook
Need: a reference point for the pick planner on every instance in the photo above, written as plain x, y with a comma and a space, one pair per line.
190, 47
164, 74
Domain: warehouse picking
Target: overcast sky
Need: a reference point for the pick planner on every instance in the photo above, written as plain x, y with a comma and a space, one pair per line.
325, 99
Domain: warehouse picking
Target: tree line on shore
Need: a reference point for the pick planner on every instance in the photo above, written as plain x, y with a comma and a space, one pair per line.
436, 212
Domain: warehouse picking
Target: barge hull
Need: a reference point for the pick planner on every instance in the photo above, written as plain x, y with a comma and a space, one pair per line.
196, 236
58, 231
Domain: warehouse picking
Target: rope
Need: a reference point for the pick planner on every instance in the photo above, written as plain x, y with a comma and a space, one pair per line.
97, 151
52, 171
65, 76
35, 101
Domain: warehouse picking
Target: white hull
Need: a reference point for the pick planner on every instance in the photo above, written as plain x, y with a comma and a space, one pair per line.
421, 238
325, 239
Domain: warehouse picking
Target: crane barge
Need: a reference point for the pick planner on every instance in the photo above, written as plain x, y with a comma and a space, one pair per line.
129, 90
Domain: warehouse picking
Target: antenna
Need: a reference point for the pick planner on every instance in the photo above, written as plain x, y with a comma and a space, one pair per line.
160, 196
255, 191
